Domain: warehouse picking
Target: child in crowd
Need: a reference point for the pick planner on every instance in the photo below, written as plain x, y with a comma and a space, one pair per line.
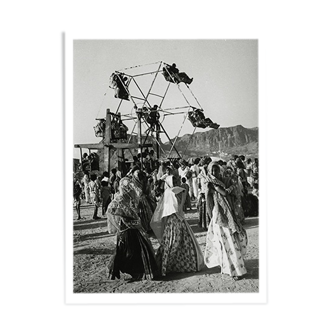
187, 203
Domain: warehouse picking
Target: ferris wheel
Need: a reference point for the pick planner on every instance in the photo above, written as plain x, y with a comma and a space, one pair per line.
147, 96
149, 92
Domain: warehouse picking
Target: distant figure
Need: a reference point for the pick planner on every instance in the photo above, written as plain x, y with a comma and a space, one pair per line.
105, 196
116, 183
255, 177
136, 162
184, 171
86, 164
195, 171
172, 74
203, 218
153, 160
85, 182
118, 83
152, 116
95, 194
187, 202
77, 196
94, 161
118, 128
100, 128
106, 176
249, 171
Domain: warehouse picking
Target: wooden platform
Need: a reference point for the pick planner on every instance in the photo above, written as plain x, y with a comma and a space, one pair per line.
100, 146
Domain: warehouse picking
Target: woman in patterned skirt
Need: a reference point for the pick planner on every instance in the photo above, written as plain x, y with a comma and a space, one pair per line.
179, 250
133, 254
226, 239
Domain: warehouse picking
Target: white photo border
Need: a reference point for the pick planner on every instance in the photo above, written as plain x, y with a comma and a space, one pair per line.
160, 298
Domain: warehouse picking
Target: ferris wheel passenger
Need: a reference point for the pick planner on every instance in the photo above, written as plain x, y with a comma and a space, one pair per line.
173, 75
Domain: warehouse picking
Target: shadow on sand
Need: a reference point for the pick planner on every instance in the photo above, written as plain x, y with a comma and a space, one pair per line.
251, 266
93, 251
90, 224
251, 222
93, 236
178, 276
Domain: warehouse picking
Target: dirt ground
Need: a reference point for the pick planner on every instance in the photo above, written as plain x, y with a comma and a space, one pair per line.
93, 247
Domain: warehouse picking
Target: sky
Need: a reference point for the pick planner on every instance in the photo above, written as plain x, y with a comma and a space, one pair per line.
225, 81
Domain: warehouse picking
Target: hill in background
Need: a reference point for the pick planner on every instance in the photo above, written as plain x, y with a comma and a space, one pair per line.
221, 142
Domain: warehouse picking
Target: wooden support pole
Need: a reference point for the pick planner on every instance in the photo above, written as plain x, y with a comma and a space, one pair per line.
108, 127
158, 140
107, 139
139, 133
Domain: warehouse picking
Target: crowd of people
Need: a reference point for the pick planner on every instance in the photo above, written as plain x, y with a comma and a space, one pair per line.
152, 198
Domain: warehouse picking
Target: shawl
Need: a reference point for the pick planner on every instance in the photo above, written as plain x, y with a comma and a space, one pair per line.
217, 203
138, 185
145, 203
206, 176
122, 206
167, 206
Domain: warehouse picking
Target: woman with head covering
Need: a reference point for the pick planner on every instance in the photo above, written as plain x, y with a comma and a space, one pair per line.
146, 204
134, 254
179, 250
226, 239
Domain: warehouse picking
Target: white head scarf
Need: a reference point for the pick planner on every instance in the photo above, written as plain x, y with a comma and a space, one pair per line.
167, 206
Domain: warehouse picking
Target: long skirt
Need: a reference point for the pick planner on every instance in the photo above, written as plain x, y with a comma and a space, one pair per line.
134, 255
179, 250
225, 249
195, 187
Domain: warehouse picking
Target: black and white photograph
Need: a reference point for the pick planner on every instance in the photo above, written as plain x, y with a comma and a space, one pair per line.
165, 166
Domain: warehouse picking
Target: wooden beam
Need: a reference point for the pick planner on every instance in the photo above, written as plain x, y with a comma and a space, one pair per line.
107, 156
92, 146
128, 145
108, 126
100, 146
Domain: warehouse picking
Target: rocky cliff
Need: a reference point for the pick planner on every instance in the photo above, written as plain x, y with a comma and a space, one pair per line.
238, 140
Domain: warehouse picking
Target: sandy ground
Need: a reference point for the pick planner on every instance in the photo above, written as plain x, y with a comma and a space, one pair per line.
93, 246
